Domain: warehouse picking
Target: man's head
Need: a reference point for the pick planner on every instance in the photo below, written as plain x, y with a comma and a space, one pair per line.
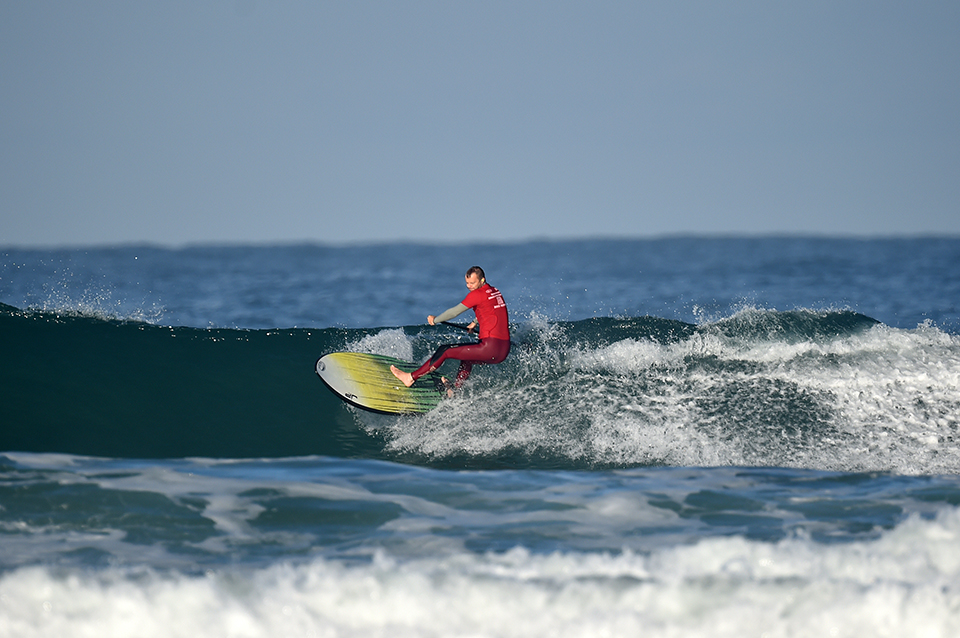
475, 277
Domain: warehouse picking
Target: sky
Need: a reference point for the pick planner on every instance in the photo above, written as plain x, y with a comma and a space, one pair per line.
247, 121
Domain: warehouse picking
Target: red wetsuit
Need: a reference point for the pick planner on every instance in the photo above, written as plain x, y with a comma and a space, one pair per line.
494, 346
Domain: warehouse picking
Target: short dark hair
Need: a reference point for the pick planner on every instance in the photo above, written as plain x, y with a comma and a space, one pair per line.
476, 270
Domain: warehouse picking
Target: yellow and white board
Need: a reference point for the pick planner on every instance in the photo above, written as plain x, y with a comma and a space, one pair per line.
365, 380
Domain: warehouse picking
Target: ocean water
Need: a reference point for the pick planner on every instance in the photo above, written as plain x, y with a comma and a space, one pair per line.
691, 437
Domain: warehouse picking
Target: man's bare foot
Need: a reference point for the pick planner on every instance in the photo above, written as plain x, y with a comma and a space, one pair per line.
405, 377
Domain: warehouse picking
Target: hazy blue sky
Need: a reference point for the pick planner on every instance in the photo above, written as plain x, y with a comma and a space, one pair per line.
175, 122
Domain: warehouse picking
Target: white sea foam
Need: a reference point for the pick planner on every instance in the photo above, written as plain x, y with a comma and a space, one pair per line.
879, 399
904, 583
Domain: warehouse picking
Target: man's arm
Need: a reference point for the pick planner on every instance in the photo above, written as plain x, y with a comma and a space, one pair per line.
448, 314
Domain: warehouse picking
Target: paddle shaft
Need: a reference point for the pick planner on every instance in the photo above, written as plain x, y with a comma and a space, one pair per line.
463, 326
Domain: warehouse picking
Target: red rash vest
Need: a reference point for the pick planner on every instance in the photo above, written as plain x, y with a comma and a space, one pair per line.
491, 311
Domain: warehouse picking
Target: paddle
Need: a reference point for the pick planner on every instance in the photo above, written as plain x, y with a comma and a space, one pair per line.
463, 326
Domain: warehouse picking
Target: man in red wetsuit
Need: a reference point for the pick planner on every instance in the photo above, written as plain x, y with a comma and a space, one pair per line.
494, 331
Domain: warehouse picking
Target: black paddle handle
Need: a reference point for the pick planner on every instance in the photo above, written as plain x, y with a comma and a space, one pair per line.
462, 326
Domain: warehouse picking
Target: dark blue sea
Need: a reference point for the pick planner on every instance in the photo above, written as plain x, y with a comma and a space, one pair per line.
691, 437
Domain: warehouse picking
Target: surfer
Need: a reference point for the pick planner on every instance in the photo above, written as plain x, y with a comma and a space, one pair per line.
493, 331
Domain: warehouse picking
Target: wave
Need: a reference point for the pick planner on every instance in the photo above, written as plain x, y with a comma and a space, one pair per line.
795, 586
317, 546
816, 389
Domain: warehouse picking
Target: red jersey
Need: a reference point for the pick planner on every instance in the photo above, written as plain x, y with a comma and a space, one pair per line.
491, 311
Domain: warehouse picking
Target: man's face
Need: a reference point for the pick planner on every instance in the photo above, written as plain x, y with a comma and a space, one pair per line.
473, 281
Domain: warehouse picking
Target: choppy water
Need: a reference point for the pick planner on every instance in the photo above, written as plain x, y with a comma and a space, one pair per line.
692, 437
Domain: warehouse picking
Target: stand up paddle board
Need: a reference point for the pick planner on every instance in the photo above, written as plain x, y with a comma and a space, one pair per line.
365, 380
